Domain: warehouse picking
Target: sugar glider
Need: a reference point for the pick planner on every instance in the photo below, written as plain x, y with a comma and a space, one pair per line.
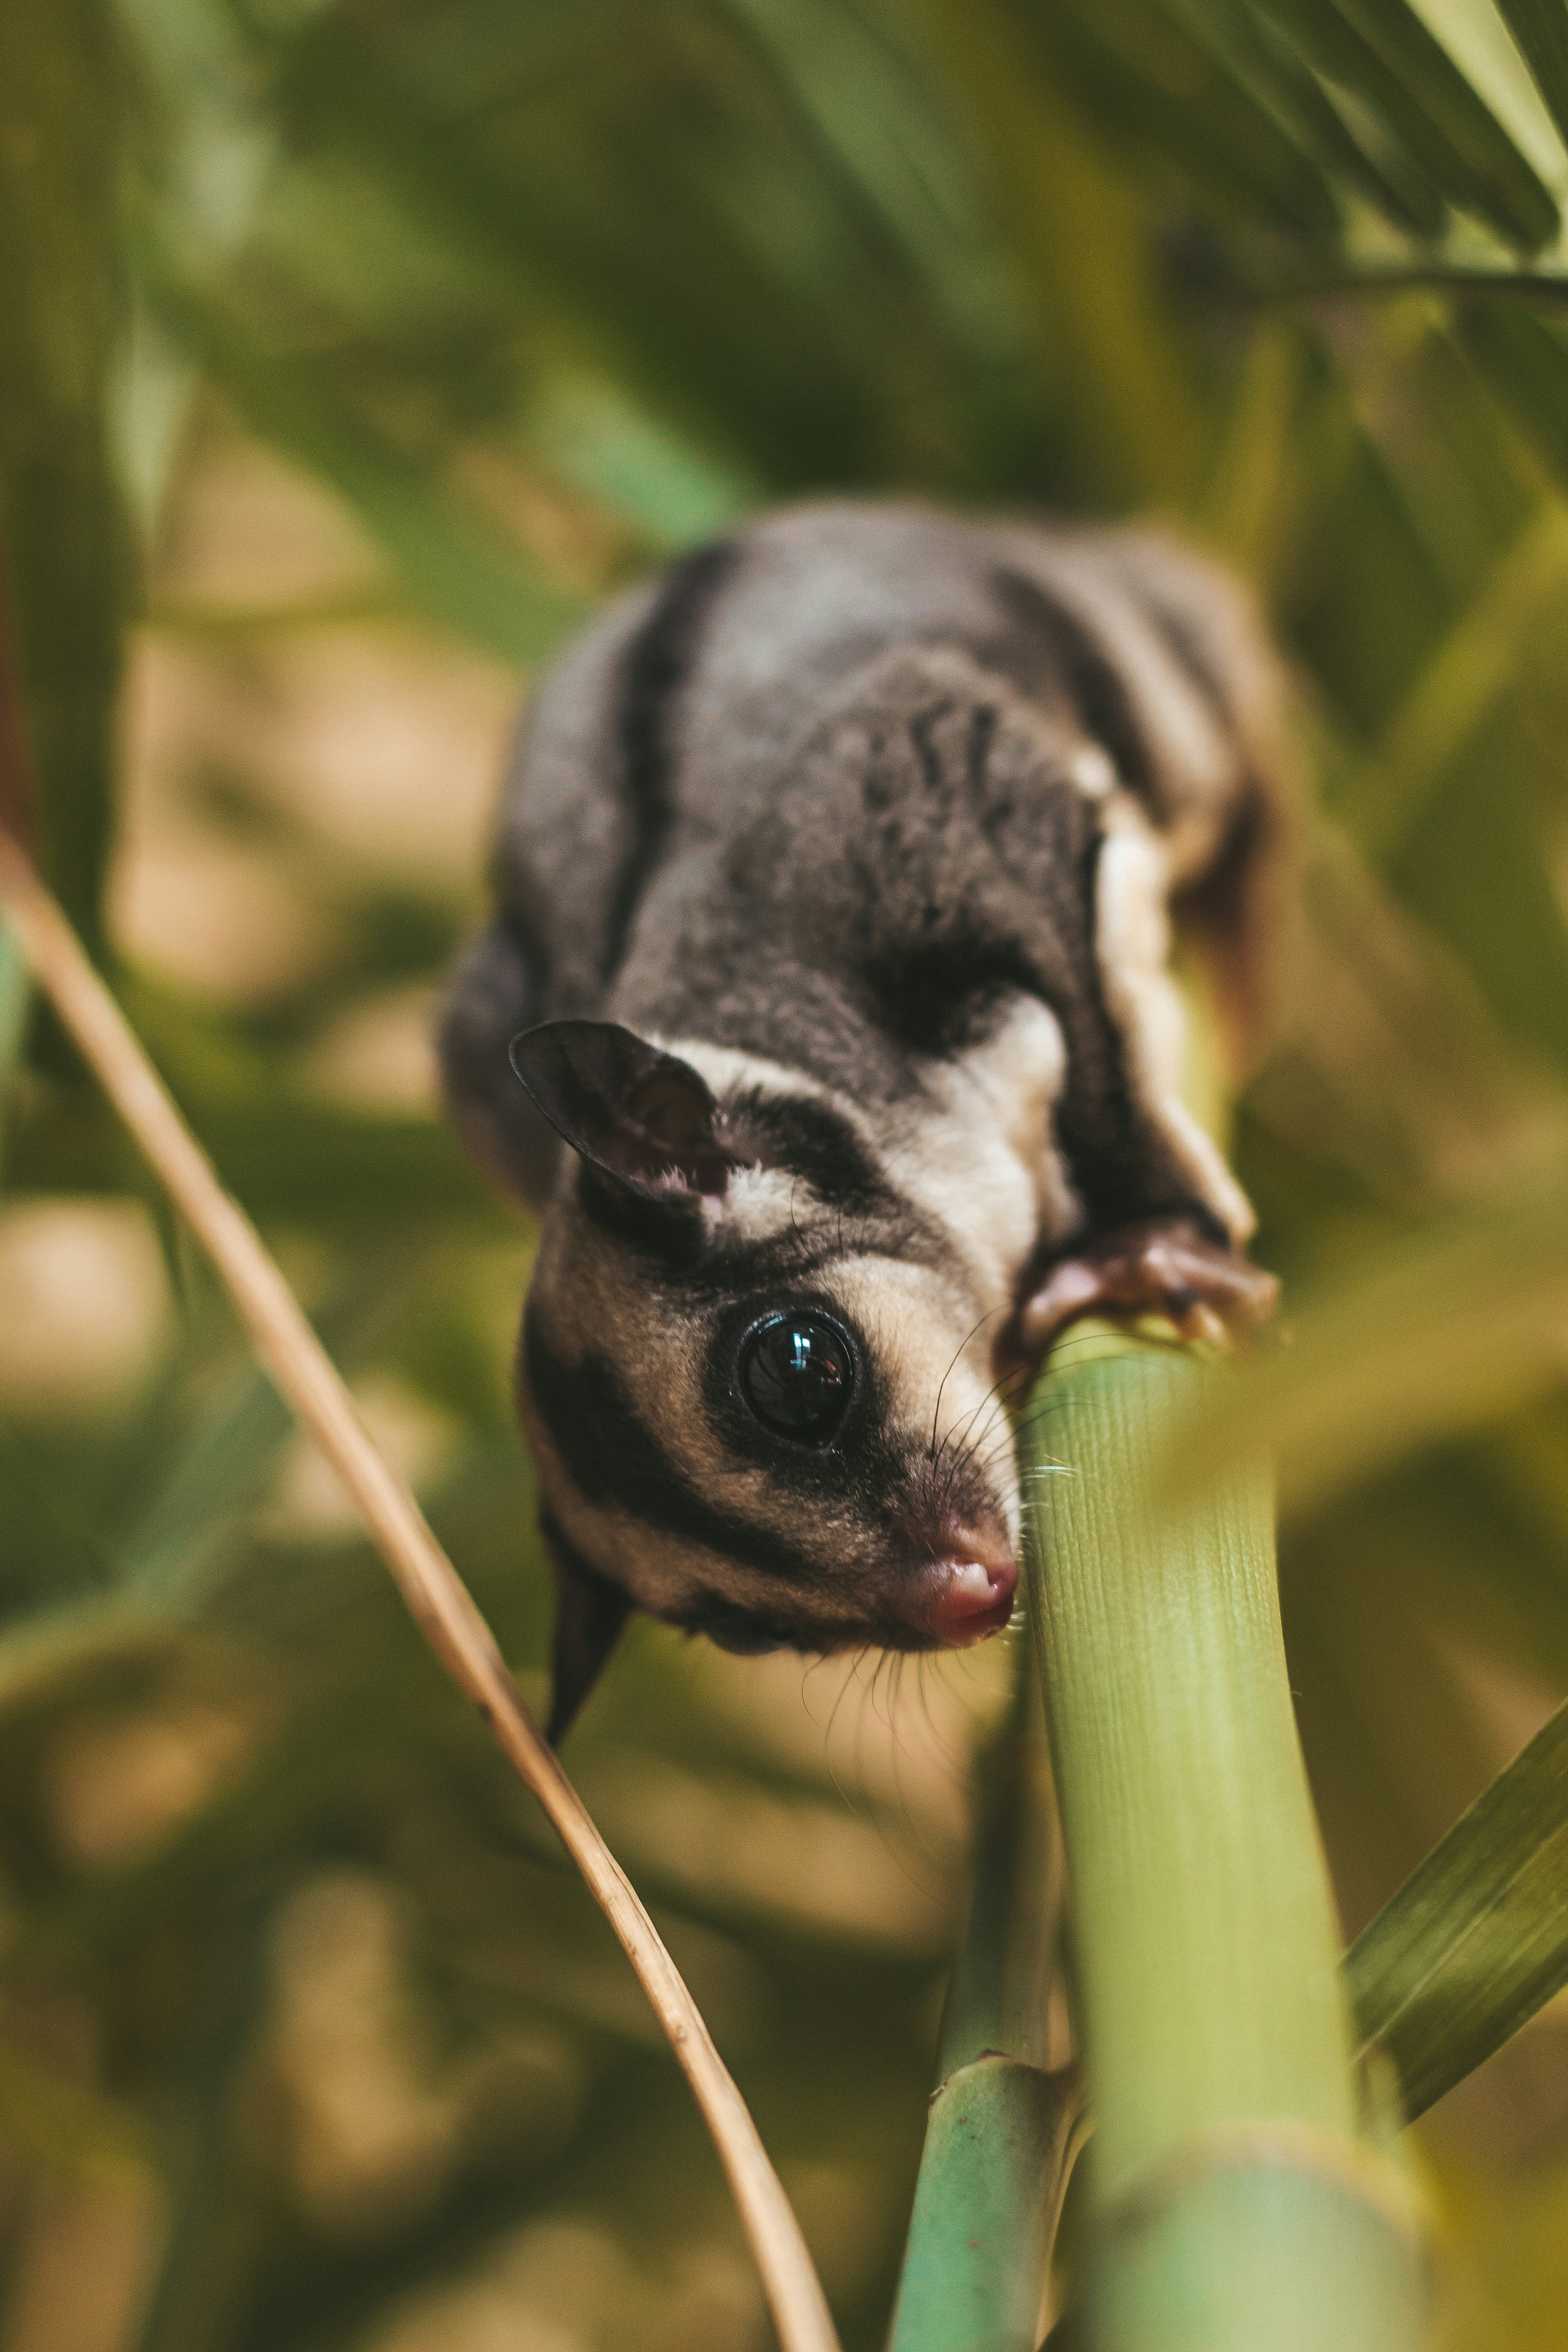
825, 1015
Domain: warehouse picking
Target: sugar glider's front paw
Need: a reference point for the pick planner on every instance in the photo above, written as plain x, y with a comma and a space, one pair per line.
1167, 1266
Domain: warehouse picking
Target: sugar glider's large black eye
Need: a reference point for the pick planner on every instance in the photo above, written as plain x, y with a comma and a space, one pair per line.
797, 1374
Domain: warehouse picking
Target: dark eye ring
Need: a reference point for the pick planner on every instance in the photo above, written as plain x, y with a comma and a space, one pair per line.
797, 1375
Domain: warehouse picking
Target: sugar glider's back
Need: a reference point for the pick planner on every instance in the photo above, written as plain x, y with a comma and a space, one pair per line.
647, 742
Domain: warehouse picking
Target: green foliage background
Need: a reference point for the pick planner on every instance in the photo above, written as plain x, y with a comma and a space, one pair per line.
538, 293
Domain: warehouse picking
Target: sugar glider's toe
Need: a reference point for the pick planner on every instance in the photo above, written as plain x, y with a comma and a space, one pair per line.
1167, 1266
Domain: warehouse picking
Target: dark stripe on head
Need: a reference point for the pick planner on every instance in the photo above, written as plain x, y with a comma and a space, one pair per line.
703, 1268
811, 1140
654, 668
1066, 644
613, 1458
799, 1136
786, 1261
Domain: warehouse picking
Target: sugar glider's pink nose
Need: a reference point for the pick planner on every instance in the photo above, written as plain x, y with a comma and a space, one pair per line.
973, 1596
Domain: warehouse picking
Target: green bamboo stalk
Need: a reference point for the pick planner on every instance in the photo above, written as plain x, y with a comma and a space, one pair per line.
1232, 2205
1004, 2127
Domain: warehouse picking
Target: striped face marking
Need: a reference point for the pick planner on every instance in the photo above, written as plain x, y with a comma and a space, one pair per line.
762, 1402
770, 1416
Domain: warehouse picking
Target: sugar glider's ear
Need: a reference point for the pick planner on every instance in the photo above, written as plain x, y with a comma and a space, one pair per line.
642, 1117
589, 1614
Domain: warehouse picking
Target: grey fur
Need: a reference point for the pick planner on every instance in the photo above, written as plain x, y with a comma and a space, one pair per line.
832, 812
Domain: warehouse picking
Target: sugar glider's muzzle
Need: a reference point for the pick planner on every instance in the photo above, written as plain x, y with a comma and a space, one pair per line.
967, 1593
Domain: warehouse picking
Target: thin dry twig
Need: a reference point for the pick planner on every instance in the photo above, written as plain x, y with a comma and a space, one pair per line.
436, 1594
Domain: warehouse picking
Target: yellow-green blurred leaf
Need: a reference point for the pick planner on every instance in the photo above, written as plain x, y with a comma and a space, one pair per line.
1383, 51
1540, 29
1477, 1939
1104, 338
1446, 1332
453, 562
64, 84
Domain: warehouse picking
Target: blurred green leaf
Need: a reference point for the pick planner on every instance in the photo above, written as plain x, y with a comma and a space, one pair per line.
668, 232
344, 1168
672, 494
64, 2124
1540, 29
1165, 73
64, 87
1383, 51
1475, 1942
453, 564
1366, 630
884, 128
1373, 164
1486, 844
202, 2278
1475, 663
348, 1169
1526, 361
219, 1474
1104, 338
1448, 1331
1385, 1056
